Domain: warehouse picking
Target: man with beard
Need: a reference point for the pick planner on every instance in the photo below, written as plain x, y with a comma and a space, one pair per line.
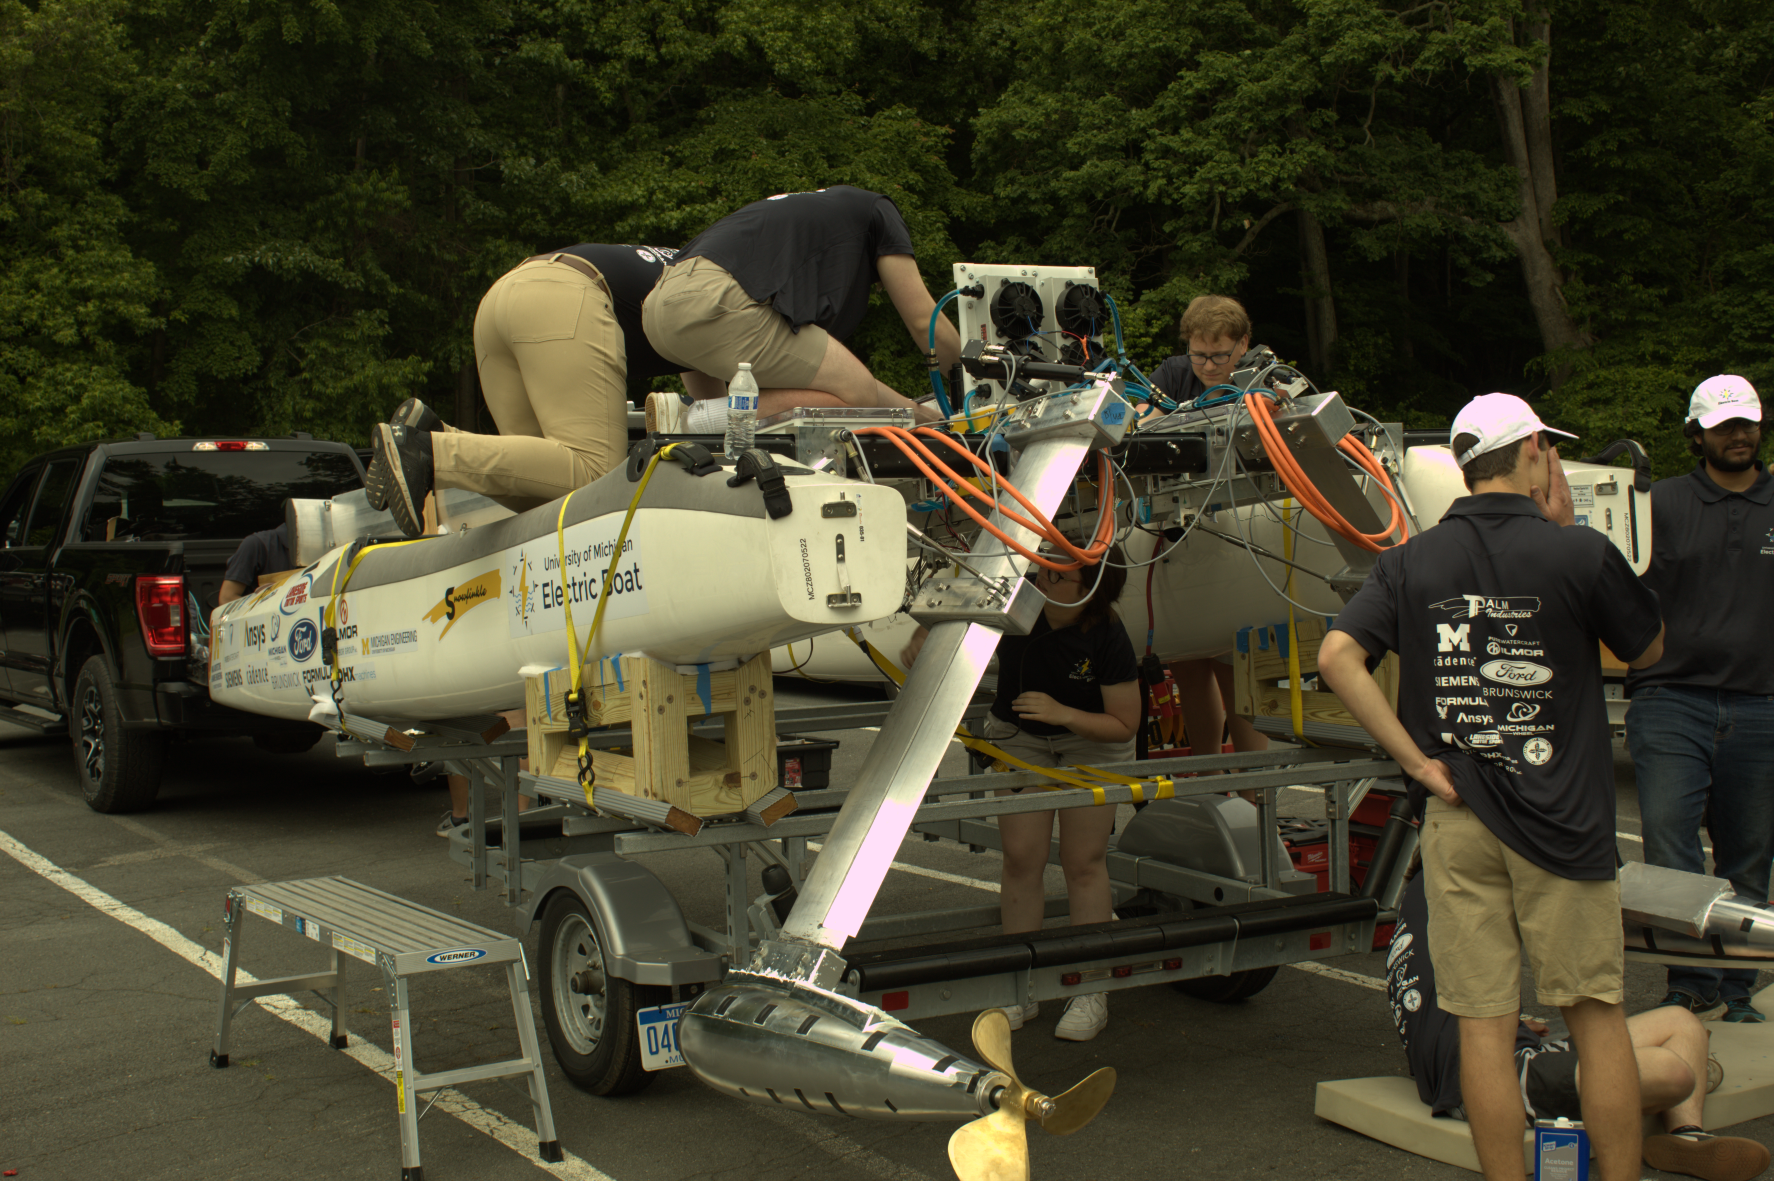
1701, 723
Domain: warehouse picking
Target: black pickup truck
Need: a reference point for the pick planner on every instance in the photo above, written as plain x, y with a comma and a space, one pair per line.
112, 557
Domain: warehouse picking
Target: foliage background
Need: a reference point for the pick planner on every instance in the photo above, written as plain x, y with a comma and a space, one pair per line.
258, 216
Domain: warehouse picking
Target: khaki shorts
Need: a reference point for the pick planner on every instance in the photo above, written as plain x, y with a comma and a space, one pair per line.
1487, 903
1056, 750
699, 316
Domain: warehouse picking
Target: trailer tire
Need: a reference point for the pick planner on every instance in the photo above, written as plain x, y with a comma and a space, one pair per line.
1228, 990
118, 769
590, 1014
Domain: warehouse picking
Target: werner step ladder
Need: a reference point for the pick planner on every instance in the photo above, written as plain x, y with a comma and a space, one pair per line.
403, 939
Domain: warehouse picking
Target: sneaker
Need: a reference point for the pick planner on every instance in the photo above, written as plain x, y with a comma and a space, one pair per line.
707, 417
1715, 1073
413, 413
1681, 998
1698, 1154
1021, 1013
401, 474
1739, 1009
450, 823
665, 413
1084, 1018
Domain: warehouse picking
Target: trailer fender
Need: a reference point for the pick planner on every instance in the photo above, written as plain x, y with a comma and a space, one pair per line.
638, 921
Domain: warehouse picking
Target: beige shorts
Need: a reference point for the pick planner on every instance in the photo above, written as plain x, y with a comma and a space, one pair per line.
1487, 903
699, 316
1057, 750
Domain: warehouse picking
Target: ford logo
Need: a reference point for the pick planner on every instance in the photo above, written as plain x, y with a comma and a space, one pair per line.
460, 956
1516, 672
304, 638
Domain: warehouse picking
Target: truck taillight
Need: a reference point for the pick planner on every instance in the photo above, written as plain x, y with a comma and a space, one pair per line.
230, 445
160, 605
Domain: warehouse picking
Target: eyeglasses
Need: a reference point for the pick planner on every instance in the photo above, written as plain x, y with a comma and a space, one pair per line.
1737, 426
1210, 358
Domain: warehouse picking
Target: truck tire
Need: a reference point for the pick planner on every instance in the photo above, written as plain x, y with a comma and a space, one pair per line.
590, 1014
1227, 990
118, 769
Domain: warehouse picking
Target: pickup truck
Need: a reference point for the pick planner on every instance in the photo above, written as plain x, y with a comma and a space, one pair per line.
111, 556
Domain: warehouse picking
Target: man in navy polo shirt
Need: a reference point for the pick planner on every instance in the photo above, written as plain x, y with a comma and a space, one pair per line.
1701, 723
1495, 614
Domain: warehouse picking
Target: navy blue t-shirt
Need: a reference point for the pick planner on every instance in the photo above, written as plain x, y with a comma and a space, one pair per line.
1070, 665
811, 256
1496, 614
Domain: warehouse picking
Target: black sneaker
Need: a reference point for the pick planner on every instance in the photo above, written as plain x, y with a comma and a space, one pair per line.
411, 413
1686, 1000
403, 469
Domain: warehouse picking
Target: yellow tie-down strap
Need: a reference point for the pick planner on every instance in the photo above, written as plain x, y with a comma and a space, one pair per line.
1091, 778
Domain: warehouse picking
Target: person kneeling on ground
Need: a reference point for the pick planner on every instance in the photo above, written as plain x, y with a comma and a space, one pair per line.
1068, 693
1669, 1043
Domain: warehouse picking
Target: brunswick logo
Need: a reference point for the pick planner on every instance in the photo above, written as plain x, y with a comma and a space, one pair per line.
457, 601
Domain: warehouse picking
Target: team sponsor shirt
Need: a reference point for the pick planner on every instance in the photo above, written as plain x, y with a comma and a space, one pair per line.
809, 255
630, 272
1068, 664
1431, 1037
1495, 615
1712, 566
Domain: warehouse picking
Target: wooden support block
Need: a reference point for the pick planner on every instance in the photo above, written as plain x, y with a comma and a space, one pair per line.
664, 761
1260, 661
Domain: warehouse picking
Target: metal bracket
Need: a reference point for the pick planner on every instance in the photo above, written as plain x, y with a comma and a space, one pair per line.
979, 600
1100, 406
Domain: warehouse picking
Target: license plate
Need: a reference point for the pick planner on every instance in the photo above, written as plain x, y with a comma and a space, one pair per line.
659, 1036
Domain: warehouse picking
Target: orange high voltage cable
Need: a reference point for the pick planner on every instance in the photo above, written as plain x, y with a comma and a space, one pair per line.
941, 474
1308, 494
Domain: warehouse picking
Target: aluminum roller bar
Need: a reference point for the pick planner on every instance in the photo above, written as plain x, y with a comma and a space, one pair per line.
1055, 436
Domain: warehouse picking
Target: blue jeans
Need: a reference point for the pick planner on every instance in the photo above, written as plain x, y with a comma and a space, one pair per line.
1704, 756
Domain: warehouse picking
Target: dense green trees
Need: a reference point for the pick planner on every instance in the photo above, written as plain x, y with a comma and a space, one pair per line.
264, 215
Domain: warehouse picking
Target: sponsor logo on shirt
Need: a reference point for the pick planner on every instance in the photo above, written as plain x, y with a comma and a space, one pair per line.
1449, 637
1517, 651
1522, 711
1081, 671
1489, 607
1536, 751
1515, 672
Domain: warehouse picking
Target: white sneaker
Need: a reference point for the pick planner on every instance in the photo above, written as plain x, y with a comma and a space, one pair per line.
1021, 1013
1084, 1018
665, 413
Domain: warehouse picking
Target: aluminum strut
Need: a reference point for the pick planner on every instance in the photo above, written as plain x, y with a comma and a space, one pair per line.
966, 617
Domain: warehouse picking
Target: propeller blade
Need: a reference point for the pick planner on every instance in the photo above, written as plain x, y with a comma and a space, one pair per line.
991, 1039
1079, 1105
993, 1147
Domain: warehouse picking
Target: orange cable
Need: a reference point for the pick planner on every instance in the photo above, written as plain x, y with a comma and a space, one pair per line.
1314, 501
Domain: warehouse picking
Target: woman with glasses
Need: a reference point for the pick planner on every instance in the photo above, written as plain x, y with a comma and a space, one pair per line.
1068, 694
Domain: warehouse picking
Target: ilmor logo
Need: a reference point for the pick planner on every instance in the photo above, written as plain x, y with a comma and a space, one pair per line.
1449, 638
457, 601
1515, 672
460, 956
1488, 607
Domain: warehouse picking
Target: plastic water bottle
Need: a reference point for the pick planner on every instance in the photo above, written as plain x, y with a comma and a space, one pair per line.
742, 412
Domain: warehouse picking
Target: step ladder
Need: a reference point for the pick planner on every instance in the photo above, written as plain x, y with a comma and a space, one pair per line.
403, 939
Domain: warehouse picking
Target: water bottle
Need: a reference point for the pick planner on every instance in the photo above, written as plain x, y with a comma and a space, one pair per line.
742, 412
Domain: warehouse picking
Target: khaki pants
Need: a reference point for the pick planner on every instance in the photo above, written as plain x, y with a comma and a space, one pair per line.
554, 369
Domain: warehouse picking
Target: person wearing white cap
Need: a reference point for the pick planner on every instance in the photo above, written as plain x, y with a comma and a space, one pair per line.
1701, 723
1495, 615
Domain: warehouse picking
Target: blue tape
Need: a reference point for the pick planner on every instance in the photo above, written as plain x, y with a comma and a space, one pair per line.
703, 689
616, 663
1244, 639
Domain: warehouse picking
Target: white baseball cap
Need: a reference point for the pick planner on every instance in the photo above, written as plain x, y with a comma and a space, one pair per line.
1496, 420
1722, 398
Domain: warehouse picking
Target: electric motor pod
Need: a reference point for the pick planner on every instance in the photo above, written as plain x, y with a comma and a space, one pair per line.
826, 1053
1017, 310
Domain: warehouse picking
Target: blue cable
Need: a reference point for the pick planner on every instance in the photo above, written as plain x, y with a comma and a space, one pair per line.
936, 382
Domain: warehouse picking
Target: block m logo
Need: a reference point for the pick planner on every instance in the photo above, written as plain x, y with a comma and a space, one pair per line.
1449, 637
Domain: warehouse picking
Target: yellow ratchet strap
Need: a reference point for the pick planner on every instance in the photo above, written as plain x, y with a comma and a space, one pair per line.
1079, 776
329, 616
578, 720
1296, 702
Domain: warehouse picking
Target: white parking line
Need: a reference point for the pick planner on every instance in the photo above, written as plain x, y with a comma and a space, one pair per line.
515, 1136
1317, 969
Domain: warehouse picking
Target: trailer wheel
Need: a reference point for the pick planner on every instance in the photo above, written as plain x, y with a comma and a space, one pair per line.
590, 1014
118, 769
1227, 990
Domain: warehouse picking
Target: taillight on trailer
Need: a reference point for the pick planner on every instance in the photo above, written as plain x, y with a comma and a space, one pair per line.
160, 605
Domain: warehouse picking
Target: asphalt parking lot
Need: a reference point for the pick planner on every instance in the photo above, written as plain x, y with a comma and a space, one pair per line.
110, 940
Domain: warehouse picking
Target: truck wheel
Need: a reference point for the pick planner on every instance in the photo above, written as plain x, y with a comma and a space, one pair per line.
590, 1014
1227, 990
119, 769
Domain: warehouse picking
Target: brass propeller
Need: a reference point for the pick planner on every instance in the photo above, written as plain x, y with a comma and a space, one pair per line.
995, 1147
